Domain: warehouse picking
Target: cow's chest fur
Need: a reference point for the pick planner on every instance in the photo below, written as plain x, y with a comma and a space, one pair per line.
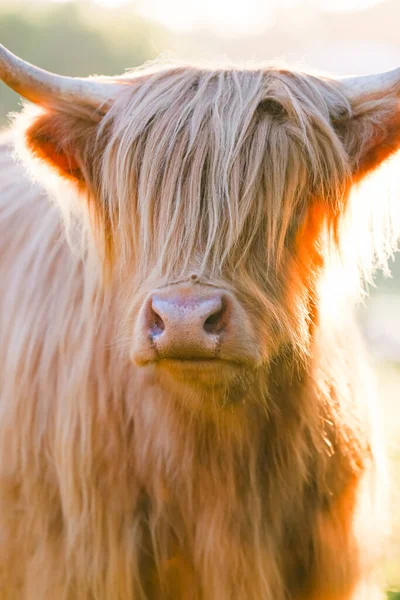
217, 553
250, 517
201, 512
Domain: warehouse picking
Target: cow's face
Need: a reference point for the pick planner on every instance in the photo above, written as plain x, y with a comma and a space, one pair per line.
216, 197
218, 184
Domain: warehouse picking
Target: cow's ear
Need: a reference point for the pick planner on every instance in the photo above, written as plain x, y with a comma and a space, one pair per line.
370, 133
64, 141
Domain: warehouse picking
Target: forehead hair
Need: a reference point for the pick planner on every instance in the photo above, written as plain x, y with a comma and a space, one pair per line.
213, 168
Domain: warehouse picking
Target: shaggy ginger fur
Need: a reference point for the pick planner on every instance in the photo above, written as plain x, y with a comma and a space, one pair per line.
121, 483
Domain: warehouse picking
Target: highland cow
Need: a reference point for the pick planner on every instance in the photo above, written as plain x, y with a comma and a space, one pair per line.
185, 403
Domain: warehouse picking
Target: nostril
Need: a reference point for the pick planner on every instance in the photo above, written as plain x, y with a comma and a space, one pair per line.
215, 323
156, 323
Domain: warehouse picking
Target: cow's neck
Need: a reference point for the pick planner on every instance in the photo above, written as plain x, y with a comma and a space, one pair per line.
201, 476
208, 496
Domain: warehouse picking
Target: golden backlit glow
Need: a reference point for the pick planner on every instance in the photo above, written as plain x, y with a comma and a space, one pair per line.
227, 16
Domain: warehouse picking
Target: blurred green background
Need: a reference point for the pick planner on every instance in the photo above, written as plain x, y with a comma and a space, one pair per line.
107, 36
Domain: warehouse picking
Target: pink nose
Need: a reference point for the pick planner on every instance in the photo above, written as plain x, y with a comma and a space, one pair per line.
186, 324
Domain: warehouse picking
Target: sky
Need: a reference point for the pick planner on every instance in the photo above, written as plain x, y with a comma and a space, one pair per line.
227, 16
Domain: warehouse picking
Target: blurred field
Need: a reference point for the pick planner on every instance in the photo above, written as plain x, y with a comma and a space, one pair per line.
74, 39
82, 38
388, 380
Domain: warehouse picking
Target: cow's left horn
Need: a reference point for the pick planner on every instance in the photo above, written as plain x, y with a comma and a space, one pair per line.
373, 86
43, 87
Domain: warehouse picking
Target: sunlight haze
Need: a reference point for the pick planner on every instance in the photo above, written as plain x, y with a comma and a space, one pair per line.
225, 16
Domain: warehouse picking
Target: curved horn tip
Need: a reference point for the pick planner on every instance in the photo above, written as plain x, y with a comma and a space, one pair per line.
42, 87
374, 84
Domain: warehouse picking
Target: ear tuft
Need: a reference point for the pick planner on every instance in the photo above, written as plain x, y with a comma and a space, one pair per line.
65, 163
371, 134
64, 142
